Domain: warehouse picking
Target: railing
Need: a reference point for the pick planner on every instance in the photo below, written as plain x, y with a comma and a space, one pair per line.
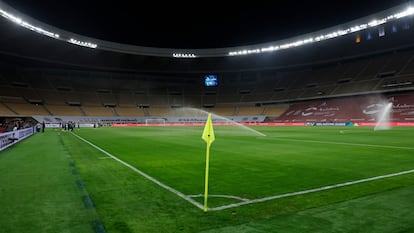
10, 138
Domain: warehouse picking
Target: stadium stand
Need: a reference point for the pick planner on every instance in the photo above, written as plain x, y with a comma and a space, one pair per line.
350, 109
126, 100
223, 110
249, 111
98, 111
62, 110
5, 110
26, 109
130, 111
70, 80
275, 110
160, 111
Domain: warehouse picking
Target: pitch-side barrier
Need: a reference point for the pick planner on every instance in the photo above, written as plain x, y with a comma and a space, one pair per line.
10, 138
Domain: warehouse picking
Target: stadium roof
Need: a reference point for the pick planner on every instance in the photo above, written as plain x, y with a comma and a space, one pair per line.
203, 28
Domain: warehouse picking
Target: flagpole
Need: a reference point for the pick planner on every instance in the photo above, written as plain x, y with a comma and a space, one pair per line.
206, 177
208, 137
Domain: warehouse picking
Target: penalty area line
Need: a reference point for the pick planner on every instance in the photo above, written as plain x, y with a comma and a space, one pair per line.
309, 190
176, 192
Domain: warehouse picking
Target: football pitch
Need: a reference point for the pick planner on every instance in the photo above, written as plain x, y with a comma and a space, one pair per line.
151, 179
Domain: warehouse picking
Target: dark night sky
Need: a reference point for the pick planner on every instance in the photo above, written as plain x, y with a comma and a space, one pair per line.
196, 24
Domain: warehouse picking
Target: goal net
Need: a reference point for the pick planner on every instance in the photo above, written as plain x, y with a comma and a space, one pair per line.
155, 121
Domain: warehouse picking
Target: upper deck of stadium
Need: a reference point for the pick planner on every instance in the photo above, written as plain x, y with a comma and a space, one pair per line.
51, 72
382, 32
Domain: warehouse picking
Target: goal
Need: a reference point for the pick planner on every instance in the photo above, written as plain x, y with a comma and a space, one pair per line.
155, 121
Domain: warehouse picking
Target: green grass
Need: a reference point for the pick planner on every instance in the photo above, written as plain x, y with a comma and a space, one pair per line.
384, 212
287, 159
38, 192
254, 167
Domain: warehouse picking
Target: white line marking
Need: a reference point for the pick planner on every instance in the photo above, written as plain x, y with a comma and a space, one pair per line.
176, 192
310, 190
246, 202
340, 143
219, 195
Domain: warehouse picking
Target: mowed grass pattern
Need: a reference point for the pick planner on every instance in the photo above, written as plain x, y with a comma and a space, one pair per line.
39, 191
244, 164
249, 166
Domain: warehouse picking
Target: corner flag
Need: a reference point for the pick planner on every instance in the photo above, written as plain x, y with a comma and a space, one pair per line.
208, 133
208, 137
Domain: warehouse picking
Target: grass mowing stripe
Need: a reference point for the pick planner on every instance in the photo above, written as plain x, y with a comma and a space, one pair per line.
258, 164
340, 143
178, 193
87, 201
38, 192
131, 203
245, 202
310, 190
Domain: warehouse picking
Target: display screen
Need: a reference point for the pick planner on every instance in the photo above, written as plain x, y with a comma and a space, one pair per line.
210, 80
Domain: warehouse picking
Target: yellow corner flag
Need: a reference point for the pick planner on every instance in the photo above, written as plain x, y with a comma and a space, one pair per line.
208, 133
208, 137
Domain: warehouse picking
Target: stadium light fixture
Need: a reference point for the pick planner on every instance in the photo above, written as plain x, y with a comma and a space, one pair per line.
27, 25
184, 55
237, 51
373, 23
42, 31
83, 43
